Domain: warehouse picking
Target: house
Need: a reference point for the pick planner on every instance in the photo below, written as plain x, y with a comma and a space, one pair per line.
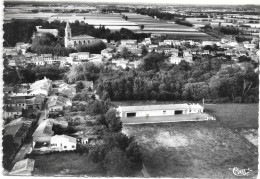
159, 110
134, 64
87, 136
194, 51
83, 55
20, 91
120, 63
249, 46
15, 102
161, 44
12, 63
43, 132
129, 42
187, 55
204, 43
136, 51
35, 102
56, 103
63, 142
107, 53
168, 42
41, 87
66, 89
23, 168
10, 51
96, 58
8, 90
229, 52
175, 60
12, 111
18, 130
21, 120
205, 52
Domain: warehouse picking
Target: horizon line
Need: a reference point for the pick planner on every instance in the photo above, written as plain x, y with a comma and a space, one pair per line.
126, 2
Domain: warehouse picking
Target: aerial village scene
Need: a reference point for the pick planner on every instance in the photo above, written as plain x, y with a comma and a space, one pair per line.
131, 89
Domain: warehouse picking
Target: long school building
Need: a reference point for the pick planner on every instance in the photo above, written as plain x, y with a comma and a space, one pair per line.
159, 110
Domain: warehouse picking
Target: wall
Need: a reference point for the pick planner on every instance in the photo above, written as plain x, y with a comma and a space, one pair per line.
154, 113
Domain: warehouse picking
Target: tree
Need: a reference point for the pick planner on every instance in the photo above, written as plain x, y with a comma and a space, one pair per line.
117, 164
9, 148
113, 121
79, 86
152, 61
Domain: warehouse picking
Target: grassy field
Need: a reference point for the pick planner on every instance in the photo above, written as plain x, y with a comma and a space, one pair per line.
193, 149
59, 163
236, 116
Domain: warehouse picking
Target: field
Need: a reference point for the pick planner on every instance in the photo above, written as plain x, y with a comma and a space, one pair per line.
235, 116
193, 149
63, 164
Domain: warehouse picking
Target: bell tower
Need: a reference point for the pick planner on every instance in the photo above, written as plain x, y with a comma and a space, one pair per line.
67, 35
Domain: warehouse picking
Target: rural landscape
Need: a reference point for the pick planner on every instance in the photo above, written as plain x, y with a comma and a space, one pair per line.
130, 89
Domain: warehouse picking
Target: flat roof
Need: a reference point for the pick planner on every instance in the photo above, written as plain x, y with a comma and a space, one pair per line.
154, 107
160, 107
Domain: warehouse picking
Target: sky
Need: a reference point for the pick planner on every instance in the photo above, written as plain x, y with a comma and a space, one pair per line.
212, 2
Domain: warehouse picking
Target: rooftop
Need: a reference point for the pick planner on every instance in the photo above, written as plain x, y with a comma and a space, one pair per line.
23, 165
159, 107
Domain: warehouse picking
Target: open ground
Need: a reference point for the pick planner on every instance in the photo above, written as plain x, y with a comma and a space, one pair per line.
202, 148
193, 149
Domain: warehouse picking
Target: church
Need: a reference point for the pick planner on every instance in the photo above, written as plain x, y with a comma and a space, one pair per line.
70, 41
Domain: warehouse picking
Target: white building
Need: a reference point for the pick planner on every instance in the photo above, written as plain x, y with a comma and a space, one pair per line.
249, 46
159, 110
63, 143
128, 42
83, 55
175, 60
43, 87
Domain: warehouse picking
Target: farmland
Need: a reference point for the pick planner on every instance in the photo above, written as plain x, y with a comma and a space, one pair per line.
235, 116
115, 22
192, 149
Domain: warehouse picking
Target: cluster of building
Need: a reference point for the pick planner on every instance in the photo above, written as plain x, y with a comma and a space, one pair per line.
27, 108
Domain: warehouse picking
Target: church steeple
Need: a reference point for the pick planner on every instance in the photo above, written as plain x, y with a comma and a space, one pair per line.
67, 35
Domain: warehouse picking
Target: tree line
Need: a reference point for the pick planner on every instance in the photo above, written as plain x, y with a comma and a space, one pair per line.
214, 79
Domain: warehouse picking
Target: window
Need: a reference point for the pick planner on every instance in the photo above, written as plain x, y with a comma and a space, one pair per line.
65, 147
73, 146
164, 112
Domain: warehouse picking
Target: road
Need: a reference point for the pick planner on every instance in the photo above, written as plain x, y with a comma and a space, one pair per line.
42, 116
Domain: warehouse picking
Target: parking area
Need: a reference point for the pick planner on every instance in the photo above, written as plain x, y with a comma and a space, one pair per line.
164, 119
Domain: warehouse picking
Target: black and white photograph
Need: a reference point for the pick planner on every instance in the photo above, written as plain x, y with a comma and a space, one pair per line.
130, 88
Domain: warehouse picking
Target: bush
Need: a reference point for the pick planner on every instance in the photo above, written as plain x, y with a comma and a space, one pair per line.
237, 99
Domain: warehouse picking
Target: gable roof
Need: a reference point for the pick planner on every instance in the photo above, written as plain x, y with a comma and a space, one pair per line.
13, 109
68, 138
45, 128
23, 165
17, 130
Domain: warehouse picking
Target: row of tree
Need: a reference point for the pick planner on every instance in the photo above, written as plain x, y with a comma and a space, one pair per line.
210, 78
